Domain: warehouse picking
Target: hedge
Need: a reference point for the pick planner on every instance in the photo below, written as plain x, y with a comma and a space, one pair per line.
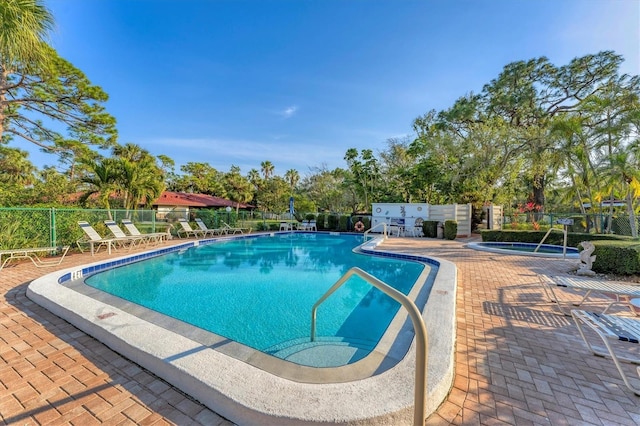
450, 229
555, 237
619, 257
320, 222
332, 222
343, 223
430, 228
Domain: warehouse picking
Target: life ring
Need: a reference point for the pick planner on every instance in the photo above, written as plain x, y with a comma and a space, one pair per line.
359, 226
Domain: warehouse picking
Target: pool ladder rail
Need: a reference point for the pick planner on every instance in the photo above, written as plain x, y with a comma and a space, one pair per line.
382, 225
419, 415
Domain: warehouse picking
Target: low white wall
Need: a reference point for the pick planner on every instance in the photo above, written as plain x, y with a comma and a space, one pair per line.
409, 212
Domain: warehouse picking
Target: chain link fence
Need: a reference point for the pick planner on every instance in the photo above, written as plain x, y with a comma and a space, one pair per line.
53, 227
597, 223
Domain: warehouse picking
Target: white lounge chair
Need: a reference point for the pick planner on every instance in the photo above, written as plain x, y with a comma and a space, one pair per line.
130, 240
610, 328
32, 254
188, 231
209, 231
286, 226
234, 230
94, 239
619, 292
152, 237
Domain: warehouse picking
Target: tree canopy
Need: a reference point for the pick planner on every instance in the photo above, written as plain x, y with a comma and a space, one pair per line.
44, 99
555, 137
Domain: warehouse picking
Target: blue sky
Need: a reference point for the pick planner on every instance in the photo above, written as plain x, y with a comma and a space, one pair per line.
298, 82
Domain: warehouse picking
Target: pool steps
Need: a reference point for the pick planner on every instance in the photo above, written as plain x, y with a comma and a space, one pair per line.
328, 351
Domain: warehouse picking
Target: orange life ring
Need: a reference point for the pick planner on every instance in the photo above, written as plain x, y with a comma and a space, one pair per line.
359, 226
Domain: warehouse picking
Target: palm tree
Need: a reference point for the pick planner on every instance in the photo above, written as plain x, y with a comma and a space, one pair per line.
131, 152
612, 114
254, 178
24, 26
267, 169
139, 178
238, 188
573, 157
292, 177
101, 180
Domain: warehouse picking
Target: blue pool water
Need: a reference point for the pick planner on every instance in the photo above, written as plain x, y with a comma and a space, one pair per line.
545, 250
259, 291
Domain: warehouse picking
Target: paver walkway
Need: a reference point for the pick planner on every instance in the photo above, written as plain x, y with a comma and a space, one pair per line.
517, 360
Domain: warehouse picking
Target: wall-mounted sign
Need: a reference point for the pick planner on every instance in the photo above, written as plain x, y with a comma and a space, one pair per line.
564, 221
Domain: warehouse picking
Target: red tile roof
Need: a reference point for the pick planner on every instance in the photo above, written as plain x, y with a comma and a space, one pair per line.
168, 198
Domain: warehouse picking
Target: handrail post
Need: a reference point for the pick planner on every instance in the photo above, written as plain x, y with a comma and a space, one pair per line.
52, 228
384, 230
419, 415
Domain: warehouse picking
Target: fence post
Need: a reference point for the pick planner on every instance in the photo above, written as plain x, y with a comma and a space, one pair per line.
52, 227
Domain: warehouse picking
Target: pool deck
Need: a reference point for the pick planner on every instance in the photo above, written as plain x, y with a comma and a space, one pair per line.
518, 361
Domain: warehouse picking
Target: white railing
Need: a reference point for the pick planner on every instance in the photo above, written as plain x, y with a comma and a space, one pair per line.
419, 415
384, 230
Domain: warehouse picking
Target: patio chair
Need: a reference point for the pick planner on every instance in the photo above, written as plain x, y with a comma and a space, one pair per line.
32, 254
311, 226
610, 328
155, 237
188, 231
209, 231
618, 292
396, 225
94, 239
124, 239
234, 230
416, 229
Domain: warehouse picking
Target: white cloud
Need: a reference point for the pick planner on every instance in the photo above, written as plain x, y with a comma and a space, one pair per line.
246, 154
289, 111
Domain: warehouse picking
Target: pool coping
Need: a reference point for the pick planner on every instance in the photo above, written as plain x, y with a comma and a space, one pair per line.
490, 246
246, 394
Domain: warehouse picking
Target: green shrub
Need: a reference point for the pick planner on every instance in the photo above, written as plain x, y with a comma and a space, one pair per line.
430, 228
332, 222
320, 222
209, 217
617, 257
450, 229
274, 226
367, 223
310, 216
343, 223
556, 237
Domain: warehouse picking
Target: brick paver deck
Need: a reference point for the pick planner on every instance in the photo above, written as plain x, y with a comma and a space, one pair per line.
518, 361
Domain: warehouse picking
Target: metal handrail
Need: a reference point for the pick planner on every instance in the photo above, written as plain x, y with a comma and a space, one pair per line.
418, 325
384, 230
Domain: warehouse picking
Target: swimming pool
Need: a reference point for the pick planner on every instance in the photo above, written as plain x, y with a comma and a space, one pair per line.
527, 249
259, 292
250, 387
